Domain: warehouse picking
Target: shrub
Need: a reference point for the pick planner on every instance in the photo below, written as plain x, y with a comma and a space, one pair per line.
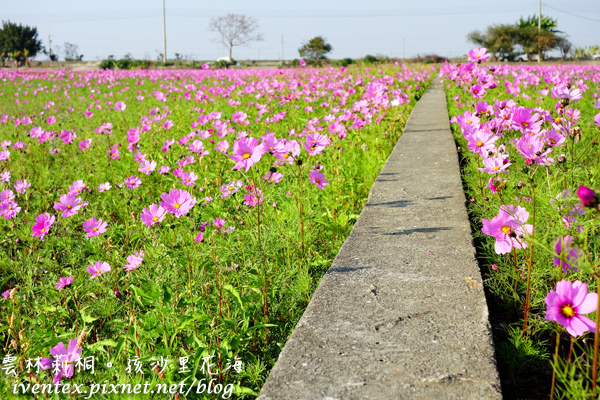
344, 62
107, 64
369, 59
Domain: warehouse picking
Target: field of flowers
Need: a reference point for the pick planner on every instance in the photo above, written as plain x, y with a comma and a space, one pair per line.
165, 227
528, 142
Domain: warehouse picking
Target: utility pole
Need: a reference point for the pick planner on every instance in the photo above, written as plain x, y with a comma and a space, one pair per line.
282, 49
49, 49
164, 35
539, 28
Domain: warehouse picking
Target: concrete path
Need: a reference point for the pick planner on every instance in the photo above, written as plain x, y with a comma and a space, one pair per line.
401, 313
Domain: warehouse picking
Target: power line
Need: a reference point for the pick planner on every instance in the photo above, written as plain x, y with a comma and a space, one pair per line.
292, 14
570, 13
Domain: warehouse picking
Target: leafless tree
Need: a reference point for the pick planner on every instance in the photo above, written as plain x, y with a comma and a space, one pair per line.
235, 30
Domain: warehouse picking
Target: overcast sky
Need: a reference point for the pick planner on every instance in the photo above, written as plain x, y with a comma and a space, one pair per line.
354, 28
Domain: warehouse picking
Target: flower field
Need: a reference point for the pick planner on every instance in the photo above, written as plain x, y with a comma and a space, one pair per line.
168, 227
528, 143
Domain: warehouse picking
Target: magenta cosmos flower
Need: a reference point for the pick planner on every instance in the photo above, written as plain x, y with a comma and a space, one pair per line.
246, 152
478, 55
178, 202
319, 179
133, 182
69, 204
568, 302
94, 227
63, 361
63, 282
98, 269
508, 227
43, 222
120, 106
153, 215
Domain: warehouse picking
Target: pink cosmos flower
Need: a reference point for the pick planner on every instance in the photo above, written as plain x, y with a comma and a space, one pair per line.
189, 178
168, 124
318, 178
479, 55
133, 182
477, 91
200, 237
205, 66
508, 227
21, 186
177, 202
63, 361
481, 141
94, 227
494, 165
69, 204
246, 152
231, 188
120, 106
85, 144
568, 255
104, 187
63, 282
218, 223
5, 176
134, 260
273, 177
153, 215
9, 209
51, 120
568, 302
7, 195
147, 167
222, 146
97, 269
77, 187
43, 222
4, 155
315, 143
164, 169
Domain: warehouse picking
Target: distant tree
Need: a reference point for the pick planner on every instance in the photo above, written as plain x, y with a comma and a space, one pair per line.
315, 49
235, 30
16, 38
534, 39
72, 52
564, 46
503, 39
497, 39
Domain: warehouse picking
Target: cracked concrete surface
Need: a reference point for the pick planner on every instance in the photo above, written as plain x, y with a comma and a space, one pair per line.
401, 313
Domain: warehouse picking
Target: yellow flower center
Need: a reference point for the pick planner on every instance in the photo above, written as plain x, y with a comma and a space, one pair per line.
318, 180
568, 311
245, 156
506, 229
552, 141
479, 143
469, 121
557, 120
525, 124
95, 229
43, 230
69, 206
496, 168
155, 219
177, 205
98, 272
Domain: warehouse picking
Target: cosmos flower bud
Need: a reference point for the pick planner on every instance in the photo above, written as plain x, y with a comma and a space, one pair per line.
587, 196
